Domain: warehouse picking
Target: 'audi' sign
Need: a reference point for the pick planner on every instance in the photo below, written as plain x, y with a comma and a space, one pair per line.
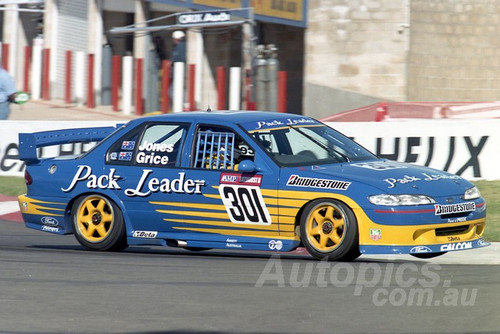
203, 17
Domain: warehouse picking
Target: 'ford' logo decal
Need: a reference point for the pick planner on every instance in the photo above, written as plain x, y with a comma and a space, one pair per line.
420, 249
49, 221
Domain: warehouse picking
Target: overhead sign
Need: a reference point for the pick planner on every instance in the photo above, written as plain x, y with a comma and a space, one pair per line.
220, 3
203, 17
285, 9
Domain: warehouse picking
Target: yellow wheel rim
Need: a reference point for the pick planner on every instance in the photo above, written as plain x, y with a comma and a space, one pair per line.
325, 227
94, 218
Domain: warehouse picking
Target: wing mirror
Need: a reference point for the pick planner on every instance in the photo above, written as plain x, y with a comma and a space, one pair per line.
247, 166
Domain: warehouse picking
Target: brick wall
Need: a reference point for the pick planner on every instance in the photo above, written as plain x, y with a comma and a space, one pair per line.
356, 51
454, 50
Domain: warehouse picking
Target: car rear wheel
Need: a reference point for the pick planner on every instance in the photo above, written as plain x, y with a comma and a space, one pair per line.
98, 224
329, 230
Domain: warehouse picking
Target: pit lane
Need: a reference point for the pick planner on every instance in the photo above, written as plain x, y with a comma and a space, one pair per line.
50, 284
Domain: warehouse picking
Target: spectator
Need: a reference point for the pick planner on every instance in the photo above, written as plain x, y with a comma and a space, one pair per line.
179, 50
7, 93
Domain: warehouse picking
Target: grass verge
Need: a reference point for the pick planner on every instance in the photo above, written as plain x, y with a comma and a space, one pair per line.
491, 192
14, 186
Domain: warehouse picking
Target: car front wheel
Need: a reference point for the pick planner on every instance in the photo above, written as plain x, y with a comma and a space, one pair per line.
98, 224
329, 230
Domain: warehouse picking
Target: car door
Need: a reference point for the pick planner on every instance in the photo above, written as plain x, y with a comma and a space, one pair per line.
147, 162
237, 206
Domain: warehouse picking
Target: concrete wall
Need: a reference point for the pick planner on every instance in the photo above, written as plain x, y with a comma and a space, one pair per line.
290, 44
455, 50
355, 53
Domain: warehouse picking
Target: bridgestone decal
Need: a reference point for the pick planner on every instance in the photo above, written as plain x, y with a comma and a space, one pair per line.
454, 208
311, 182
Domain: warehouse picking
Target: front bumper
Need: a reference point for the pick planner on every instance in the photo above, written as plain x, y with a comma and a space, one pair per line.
423, 249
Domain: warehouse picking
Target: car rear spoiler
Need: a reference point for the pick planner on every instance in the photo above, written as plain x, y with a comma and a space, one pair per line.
29, 142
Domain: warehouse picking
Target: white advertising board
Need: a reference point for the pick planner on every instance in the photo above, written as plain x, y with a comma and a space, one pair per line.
469, 148
10, 165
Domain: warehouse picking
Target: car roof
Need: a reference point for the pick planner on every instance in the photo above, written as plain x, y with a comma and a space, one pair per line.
221, 117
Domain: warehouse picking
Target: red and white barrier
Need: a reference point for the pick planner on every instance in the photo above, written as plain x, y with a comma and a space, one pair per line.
234, 88
127, 76
36, 69
178, 88
116, 63
127, 84
67, 88
79, 77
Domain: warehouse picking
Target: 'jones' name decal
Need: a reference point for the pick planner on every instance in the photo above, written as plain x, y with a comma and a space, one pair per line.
145, 186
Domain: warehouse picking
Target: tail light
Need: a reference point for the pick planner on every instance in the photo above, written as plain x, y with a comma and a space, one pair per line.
27, 178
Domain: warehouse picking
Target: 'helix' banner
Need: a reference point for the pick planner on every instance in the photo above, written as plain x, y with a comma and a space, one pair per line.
469, 148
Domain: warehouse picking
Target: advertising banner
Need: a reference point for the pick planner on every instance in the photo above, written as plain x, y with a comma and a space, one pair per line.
10, 165
468, 148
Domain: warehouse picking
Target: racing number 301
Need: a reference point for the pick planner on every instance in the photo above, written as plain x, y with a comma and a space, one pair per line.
244, 204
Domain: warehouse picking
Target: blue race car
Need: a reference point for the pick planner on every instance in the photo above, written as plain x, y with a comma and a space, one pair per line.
244, 181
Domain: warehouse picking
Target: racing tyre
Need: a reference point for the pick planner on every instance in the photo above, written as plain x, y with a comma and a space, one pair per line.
329, 230
98, 224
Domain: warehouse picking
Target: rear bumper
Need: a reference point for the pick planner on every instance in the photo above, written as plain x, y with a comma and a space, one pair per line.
44, 215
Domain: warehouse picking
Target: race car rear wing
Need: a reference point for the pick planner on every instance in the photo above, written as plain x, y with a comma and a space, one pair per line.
29, 142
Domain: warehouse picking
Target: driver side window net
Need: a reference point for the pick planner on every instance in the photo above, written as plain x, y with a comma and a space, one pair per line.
214, 150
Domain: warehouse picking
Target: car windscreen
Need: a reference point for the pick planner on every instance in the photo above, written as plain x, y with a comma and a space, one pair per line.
309, 144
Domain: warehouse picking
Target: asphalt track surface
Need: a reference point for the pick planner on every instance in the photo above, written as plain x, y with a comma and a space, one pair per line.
50, 284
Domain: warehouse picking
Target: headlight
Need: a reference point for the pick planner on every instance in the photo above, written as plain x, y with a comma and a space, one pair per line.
395, 200
472, 193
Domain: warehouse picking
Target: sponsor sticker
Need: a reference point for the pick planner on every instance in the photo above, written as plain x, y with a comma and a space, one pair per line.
482, 243
145, 186
242, 179
375, 234
232, 243
145, 234
420, 250
50, 229
423, 177
312, 182
379, 165
49, 221
456, 246
276, 123
275, 245
454, 208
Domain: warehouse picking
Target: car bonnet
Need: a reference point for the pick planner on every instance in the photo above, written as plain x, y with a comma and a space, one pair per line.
394, 177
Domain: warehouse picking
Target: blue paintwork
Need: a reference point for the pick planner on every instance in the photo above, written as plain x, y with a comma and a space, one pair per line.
137, 192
